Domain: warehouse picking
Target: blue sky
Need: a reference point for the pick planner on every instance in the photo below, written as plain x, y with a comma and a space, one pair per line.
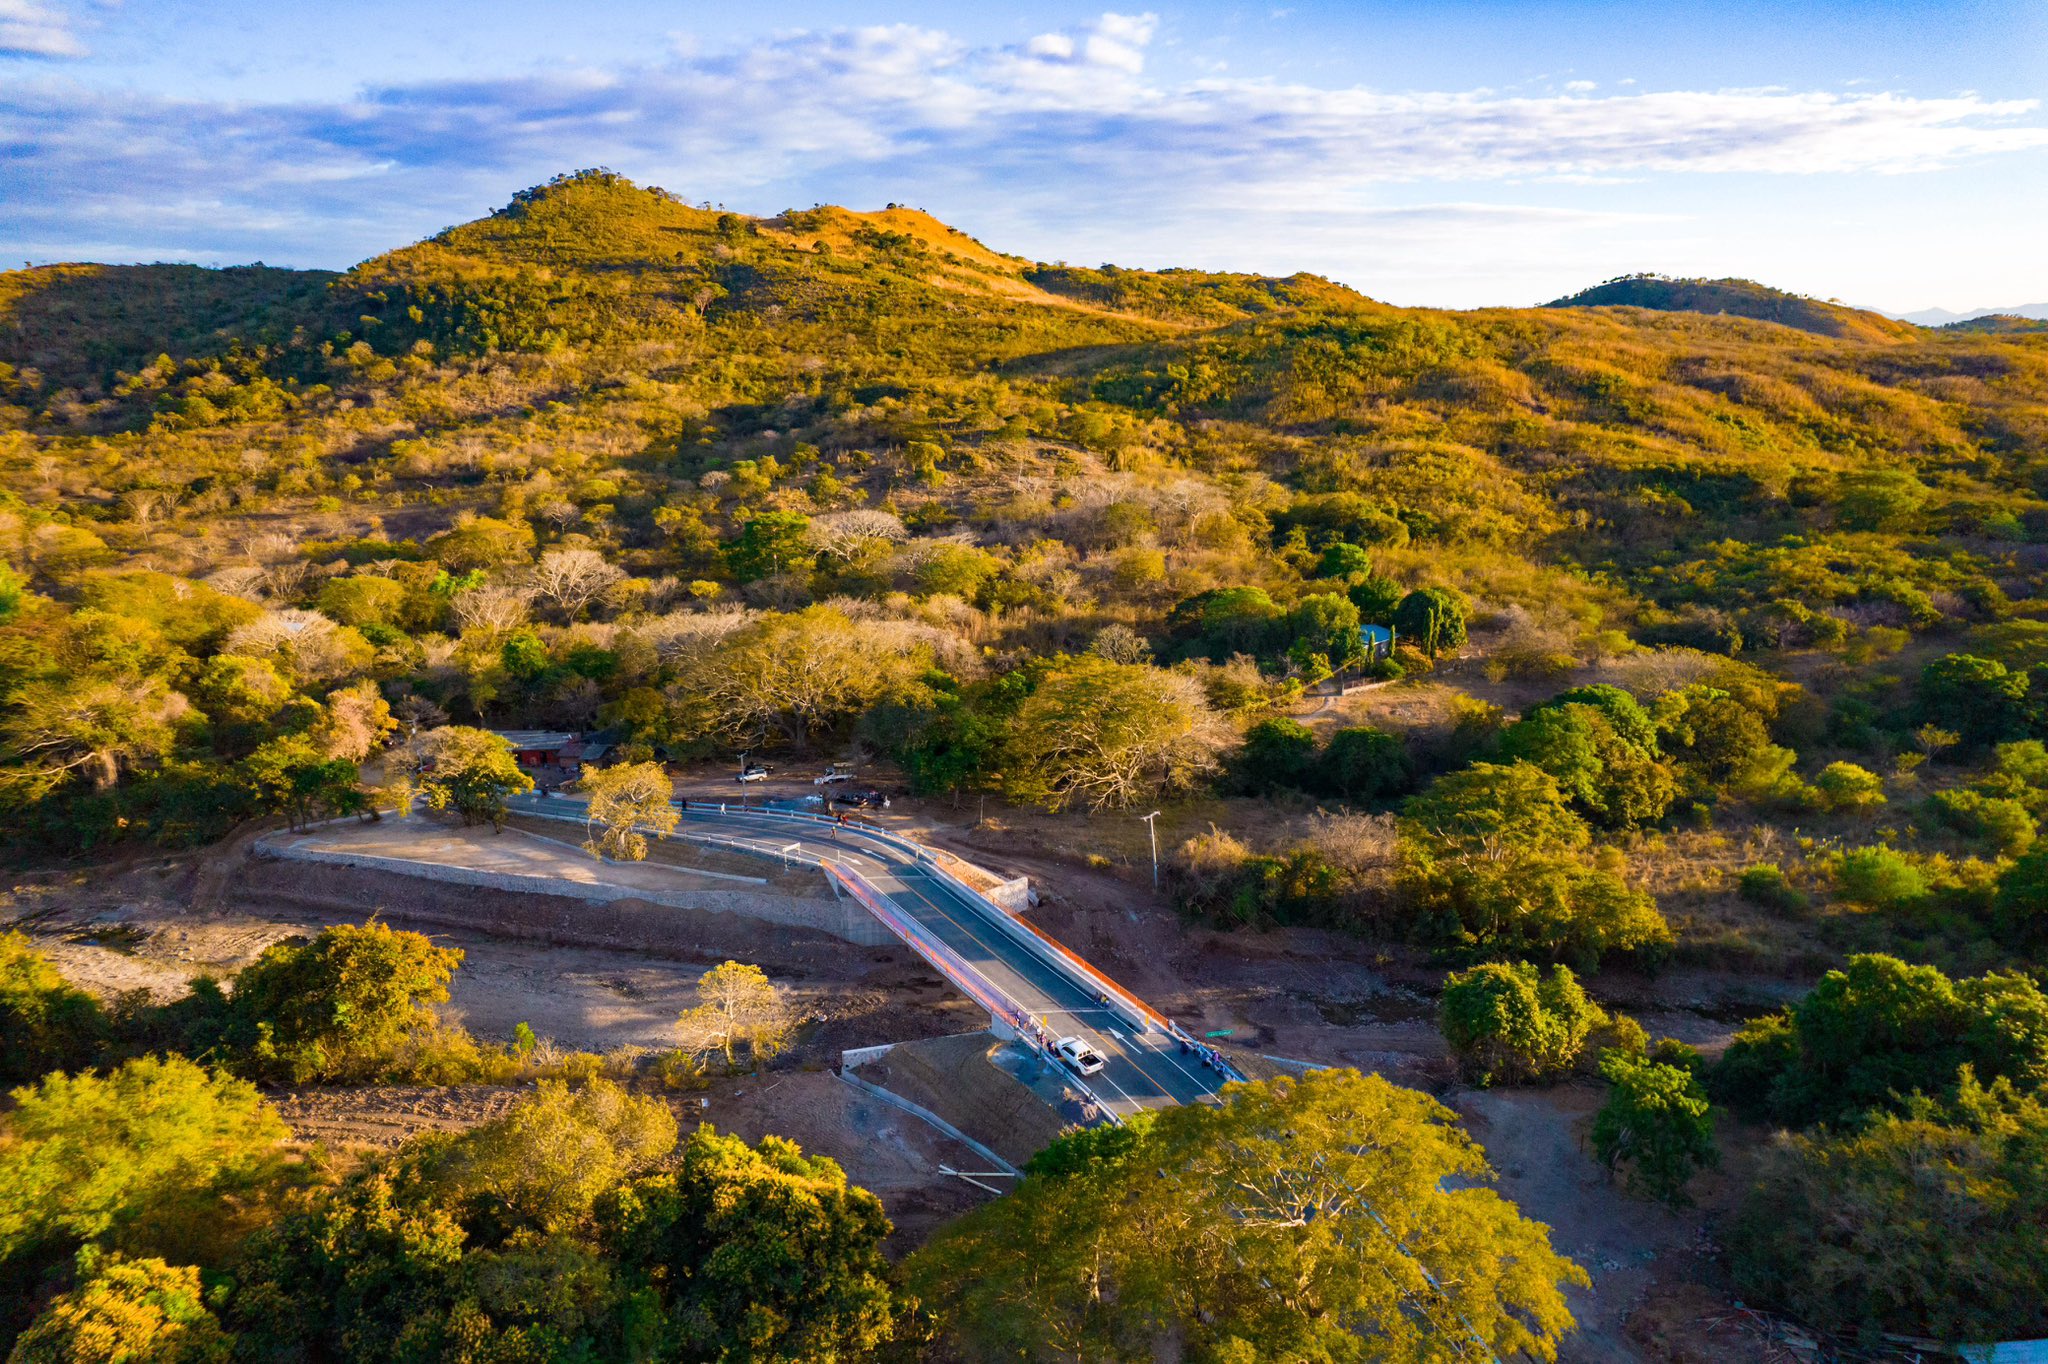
1455, 153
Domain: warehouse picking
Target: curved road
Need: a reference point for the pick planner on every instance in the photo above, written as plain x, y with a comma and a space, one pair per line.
1146, 1068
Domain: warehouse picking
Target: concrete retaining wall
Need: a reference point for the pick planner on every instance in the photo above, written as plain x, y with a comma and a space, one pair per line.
1014, 896
624, 923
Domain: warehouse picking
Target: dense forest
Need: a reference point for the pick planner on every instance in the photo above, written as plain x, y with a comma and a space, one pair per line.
1729, 604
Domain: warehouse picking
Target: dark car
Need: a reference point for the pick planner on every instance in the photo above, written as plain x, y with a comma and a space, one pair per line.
862, 800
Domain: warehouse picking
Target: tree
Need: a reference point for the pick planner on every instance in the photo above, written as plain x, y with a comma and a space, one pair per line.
1290, 1222
573, 578
1327, 624
241, 698
126, 1312
1488, 809
1630, 722
1713, 735
97, 729
736, 1003
45, 1024
2022, 903
1978, 697
763, 1253
1278, 754
1926, 1223
1376, 598
1871, 1035
1845, 786
1656, 1123
363, 599
1508, 1023
1879, 877
1228, 620
1362, 763
292, 777
1432, 619
1104, 734
543, 1166
624, 799
490, 610
1611, 773
1345, 561
304, 644
787, 676
143, 1160
1528, 904
480, 542
1879, 499
768, 543
339, 1007
471, 771
353, 723
382, 1269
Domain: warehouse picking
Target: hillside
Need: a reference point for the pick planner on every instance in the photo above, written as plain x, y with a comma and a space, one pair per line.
1712, 661
1738, 298
1998, 323
999, 459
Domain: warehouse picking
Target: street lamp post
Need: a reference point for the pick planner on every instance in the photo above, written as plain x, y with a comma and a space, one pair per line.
1153, 829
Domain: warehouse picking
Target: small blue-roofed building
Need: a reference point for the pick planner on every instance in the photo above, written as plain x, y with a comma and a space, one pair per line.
1378, 641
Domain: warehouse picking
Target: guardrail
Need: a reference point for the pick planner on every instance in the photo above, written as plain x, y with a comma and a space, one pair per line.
1134, 1011
951, 964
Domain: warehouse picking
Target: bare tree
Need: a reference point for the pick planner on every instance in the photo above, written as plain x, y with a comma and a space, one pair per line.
308, 644
145, 505
840, 534
573, 578
493, 609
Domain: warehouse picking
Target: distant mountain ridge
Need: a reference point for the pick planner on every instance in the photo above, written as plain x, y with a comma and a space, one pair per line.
1942, 317
1738, 298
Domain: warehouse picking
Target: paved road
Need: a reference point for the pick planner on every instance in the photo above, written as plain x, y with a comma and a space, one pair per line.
1144, 1070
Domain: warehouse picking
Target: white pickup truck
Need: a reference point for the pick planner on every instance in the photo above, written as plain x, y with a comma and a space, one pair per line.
1078, 1053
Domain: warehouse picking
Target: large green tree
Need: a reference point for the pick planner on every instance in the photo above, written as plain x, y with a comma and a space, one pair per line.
45, 1024
158, 1157
472, 772
1656, 1127
1925, 1223
1508, 1022
1877, 1032
341, 1007
761, 1253
1333, 1217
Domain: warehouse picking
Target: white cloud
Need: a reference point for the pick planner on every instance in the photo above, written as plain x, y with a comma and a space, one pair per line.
1063, 139
31, 29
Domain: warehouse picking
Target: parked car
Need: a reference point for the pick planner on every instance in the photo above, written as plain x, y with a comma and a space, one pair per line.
1078, 1053
837, 774
753, 774
862, 800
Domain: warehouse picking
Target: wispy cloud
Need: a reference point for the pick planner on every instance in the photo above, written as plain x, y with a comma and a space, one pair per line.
30, 29
1065, 126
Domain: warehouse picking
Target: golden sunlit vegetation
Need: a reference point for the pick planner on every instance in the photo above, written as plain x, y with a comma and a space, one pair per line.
1716, 621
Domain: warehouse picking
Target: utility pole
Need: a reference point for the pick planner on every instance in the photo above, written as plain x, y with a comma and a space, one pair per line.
1153, 829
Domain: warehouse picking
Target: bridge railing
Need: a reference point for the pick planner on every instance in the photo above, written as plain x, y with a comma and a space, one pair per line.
1133, 1010
956, 968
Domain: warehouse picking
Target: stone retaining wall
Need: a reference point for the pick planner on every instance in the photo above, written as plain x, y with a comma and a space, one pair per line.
618, 916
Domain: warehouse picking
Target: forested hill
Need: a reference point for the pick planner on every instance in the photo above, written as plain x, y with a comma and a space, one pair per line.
735, 417
1740, 298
